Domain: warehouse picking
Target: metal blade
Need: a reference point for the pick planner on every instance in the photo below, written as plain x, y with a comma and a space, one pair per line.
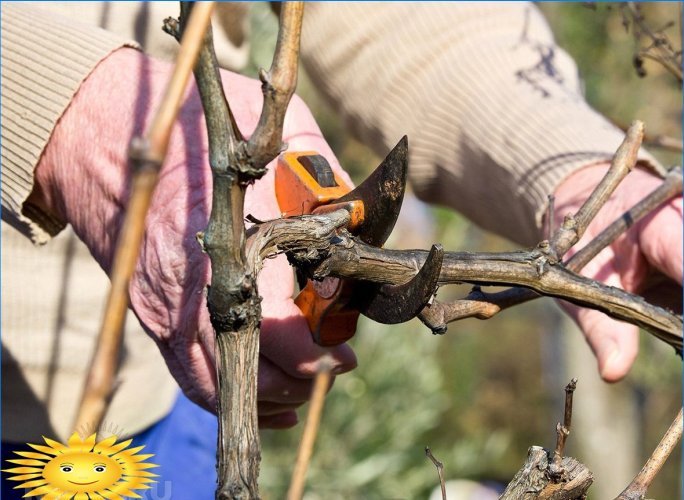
391, 304
382, 194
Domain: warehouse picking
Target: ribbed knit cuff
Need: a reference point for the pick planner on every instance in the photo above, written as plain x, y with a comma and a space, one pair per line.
44, 60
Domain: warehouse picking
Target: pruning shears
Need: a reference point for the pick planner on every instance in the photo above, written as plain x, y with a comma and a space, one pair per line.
306, 184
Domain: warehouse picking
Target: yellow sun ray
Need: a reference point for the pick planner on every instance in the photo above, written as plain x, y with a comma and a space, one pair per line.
144, 473
146, 480
141, 458
55, 495
130, 451
117, 448
22, 470
24, 477
126, 493
146, 466
32, 484
45, 449
54, 444
25, 461
76, 443
110, 495
31, 454
40, 491
104, 445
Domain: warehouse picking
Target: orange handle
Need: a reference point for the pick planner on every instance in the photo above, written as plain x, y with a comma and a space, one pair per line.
330, 322
298, 192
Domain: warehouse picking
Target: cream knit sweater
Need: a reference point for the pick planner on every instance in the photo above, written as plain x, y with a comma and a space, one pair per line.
492, 107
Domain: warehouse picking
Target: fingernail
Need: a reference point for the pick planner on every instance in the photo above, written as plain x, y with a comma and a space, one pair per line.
339, 369
609, 360
283, 420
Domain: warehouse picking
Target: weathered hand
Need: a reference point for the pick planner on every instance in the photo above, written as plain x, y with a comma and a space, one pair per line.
83, 177
634, 262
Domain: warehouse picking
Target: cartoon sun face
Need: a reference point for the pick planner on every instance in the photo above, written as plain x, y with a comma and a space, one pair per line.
82, 470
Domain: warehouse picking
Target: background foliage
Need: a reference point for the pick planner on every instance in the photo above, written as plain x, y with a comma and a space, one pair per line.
482, 394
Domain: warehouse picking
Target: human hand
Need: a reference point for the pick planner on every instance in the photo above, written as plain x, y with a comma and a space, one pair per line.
636, 260
82, 177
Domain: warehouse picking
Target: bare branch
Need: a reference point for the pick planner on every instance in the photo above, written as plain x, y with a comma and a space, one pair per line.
574, 225
639, 485
567, 414
146, 156
666, 142
671, 186
551, 210
232, 298
278, 85
440, 471
656, 140
660, 48
483, 305
343, 256
563, 430
313, 420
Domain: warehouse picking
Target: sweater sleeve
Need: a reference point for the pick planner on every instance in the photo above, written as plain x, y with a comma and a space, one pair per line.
492, 107
44, 60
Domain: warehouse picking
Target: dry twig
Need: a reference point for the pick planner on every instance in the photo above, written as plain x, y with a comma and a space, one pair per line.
146, 157
659, 48
575, 225
549, 475
313, 420
483, 305
639, 485
665, 142
440, 471
563, 430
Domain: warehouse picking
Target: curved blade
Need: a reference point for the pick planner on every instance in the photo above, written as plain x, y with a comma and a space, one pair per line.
391, 304
382, 194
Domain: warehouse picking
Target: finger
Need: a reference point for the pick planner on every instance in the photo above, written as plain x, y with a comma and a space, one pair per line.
276, 386
615, 344
266, 409
286, 341
280, 421
285, 337
276, 282
663, 292
661, 239
204, 396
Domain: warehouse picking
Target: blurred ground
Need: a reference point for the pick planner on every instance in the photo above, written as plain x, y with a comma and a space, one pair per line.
482, 394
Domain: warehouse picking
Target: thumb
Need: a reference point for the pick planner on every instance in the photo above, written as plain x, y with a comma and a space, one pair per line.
615, 344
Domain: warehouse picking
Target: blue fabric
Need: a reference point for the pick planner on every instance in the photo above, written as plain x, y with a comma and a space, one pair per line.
184, 446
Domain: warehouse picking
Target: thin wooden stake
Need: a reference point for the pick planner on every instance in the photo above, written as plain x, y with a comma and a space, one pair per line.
313, 420
639, 485
146, 156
